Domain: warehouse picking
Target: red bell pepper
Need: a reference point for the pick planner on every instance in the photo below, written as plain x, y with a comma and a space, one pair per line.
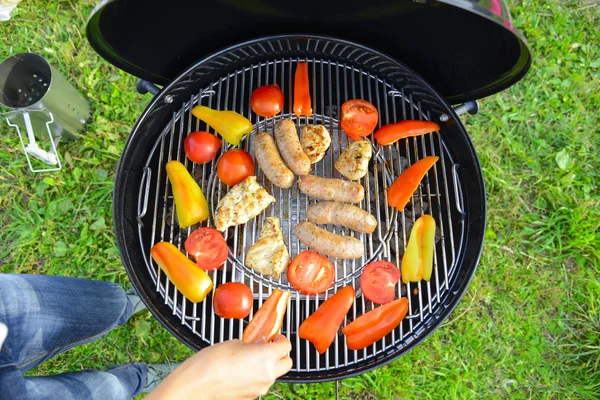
190, 279
374, 325
302, 102
268, 319
402, 189
322, 326
391, 133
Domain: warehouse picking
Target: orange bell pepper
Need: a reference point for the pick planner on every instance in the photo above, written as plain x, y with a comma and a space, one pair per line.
417, 262
302, 102
402, 189
229, 124
375, 324
322, 326
190, 203
268, 319
190, 279
391, 133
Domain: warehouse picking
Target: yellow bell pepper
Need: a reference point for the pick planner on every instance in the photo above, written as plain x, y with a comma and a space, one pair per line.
417, 262
190, 279
229, 124
190, 203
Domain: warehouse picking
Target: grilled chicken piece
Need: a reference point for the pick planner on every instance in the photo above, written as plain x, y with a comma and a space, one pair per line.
354, 161
315, 142
269, 255
242, 203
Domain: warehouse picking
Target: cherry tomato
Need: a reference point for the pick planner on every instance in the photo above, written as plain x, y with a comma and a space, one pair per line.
233, 300
208, 247
378, 281
310, 273
267, 101
234, 166
359, 118
201, 147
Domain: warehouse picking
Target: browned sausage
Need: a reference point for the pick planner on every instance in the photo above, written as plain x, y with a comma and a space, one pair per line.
289, 146
332, 212
330, 244
270, 161
330, 189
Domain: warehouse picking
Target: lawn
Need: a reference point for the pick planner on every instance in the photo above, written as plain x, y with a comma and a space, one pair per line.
529, 324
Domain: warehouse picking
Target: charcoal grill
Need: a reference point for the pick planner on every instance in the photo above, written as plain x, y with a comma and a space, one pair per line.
452, 192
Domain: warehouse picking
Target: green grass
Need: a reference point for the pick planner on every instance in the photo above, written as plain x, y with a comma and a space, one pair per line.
529, 324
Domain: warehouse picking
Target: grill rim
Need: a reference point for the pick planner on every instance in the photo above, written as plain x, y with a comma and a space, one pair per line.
127, 173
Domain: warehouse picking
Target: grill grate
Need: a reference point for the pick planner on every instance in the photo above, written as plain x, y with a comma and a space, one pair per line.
332, 82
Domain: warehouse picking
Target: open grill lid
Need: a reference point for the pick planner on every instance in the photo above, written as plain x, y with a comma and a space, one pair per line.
466, 49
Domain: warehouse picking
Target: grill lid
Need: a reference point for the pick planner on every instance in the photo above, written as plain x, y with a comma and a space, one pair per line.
466, 49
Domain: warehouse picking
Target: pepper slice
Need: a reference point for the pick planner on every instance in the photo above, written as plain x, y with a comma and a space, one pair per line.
374, 325
229, 124
190, 279
190, 203
268, 319
417, 262
302, 102
321, 327
401, 191
391, 133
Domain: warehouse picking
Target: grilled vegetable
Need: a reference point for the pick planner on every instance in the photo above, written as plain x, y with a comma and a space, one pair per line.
208, 247
190, 203
378, 281
201, 147
310, 273
267, 321
229, 124
302, 103
267, 101
401, 191
233, 300
359, 118
374, 325
234, 166
192, 281
417, 262
321, 327
391, 133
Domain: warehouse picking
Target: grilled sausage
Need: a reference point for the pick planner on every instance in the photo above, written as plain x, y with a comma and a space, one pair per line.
288, 144
330, 244
332, 212
270, 161
330, 189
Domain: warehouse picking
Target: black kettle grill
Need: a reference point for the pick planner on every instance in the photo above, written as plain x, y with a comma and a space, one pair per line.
411, 59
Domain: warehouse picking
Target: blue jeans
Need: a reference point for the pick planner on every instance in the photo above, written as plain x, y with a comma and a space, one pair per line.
47, 315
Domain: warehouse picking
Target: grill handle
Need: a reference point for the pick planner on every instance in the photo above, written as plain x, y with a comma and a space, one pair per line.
144, 87
472, 107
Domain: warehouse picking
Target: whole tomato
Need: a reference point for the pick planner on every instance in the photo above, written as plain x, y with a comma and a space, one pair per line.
201, 147
267, 101
234, 166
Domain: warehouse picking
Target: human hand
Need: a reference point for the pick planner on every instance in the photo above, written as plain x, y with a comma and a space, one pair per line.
228, 370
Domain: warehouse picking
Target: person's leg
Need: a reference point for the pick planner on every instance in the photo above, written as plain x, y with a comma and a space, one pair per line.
47, 315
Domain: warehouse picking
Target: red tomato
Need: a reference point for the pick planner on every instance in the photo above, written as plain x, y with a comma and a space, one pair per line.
233, 300
201, 147
310, 273
208, 247
267, 101
378, 281
234, 166
359, 118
